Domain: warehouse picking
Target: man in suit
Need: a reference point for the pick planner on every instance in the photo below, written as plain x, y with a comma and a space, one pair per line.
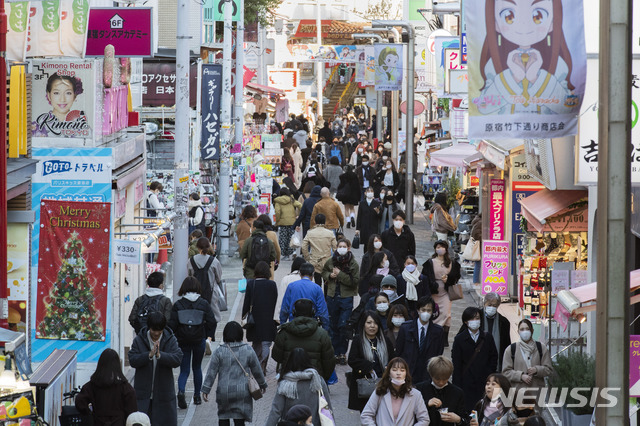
496, 325
420, 340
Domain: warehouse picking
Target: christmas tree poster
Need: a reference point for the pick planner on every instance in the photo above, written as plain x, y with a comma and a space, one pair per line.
73, 270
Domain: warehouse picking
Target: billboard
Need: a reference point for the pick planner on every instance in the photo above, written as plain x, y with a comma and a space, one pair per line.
128, 29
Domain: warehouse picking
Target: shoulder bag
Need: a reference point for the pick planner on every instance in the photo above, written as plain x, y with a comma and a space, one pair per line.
324, 412
254, 388
472, 250
455, 292
367, 386
248, 321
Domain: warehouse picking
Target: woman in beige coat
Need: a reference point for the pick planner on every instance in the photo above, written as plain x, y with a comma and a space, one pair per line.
296, 154
273, 237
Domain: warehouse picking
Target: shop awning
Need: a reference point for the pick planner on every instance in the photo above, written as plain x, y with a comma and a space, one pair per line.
497, 151
452, 156
543, 204
265, 89
473, 159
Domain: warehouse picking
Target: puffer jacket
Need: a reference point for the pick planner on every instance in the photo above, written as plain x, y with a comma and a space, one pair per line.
304, 332
286, 210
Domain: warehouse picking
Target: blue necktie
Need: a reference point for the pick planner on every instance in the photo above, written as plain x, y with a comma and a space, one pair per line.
423, 338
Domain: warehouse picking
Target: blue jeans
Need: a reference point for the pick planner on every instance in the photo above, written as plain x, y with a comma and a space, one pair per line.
476, 271
197, 350
339, 311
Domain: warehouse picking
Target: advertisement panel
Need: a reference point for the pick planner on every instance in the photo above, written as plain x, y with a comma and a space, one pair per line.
389, 66
496, 210
370, 68
634, 366
128, 29
445, 61
495, 267
68, 174
63, 106
18, 20
211, 95
18, 275
323, 53
73, 27
527, 68
284, 79
159, 84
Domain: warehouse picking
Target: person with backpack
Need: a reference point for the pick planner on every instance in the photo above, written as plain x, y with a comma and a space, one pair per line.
332, 173
196, 213
255, 249
152, 300
338, 149
193, 321
286, 207
207, 269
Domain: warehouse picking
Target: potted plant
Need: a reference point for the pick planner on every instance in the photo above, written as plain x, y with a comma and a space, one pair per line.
574, 370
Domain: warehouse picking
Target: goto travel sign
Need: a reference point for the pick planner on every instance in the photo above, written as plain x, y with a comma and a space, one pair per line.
495, 267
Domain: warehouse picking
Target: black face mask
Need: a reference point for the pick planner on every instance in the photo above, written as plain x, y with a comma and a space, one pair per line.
388, 198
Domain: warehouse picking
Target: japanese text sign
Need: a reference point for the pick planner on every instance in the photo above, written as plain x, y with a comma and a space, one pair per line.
128, 29
496, 209
211, 95
495, 267
634, 365
159, 84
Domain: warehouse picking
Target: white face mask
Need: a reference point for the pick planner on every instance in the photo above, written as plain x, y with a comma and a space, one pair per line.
397, 382
525, 335
425, 316
389, 292
385, 157
473, 325
385, 264
441, 251
342, 251
397, 321
369, 195
398, 224
360, 150
388, 166
377, 244
365, 163
490, 310
382, 307
410, 268
382, 194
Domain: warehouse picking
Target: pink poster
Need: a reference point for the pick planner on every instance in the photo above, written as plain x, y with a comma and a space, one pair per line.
495, 267
634, 365
496, 210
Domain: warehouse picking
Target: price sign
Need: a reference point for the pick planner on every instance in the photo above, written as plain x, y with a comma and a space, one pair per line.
125, 251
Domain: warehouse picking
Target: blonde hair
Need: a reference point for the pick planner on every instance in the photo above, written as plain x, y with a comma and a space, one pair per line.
440, 367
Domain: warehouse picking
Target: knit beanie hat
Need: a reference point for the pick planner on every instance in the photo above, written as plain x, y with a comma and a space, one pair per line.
389, 280
298, 413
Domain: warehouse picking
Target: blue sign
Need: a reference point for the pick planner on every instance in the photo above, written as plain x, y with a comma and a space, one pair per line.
516, 215
463, 48
211, 94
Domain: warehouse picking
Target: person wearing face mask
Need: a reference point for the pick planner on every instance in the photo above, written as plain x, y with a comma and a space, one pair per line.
389, 207
349, 194
341, 275
474, 357
397, 316
370, 351
368, 215
421, 339
497, 325
526, 363
400, 239
395, 402
445, 401
381, 161
388, 176
374, 245
442, 272
366, 175
390, 287
380, 303
412, 284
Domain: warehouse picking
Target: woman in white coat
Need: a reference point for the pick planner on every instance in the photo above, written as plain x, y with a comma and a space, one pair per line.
296, 154
395, 402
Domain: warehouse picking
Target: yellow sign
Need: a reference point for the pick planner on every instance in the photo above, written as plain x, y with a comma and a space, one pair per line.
184, 179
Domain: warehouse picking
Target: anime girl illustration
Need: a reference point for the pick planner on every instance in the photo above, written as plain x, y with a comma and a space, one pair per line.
525, 62
387, 71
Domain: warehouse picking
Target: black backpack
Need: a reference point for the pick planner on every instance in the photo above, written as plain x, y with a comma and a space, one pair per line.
148, 304
259, 250
513, 351
190, 323
202, 275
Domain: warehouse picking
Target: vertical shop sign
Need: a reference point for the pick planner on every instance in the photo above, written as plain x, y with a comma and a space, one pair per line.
73, 270
528, 70
211, 95
496, 210
44, 29
634, 365
18, 275
444, 62
73, 27
17, 30
495, 267
520, 190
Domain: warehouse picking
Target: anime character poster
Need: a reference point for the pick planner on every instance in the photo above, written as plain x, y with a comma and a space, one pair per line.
63, 99
527, 67
389, 66
370, 68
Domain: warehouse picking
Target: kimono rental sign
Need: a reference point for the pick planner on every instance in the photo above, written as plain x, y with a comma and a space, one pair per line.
527, 67
388, 62
211, 94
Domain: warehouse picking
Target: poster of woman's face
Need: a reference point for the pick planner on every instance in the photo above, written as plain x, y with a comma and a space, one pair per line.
63, 99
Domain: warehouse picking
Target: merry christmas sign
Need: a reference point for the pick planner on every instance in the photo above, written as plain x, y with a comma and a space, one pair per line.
73, 270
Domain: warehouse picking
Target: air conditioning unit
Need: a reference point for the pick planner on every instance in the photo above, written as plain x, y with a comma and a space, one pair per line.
551, 161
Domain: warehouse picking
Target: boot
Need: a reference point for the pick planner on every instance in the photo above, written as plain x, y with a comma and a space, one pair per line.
446, 336
182, 401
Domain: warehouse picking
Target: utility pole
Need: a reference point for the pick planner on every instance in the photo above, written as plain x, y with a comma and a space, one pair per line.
614, 196
262, 63
319, 64
239, 92
182, 148
225, 140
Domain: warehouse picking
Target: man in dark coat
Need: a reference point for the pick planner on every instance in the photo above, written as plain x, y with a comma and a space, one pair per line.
154, 354
305, 152
304, 332
399, 239
366, 174
304, 218
325, 133
368, 216
439, 394
245, 250
497, 325
420, 340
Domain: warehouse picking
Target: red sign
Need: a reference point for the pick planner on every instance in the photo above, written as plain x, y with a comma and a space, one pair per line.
475, 181
308, 28
496, 210
73, 270
128, 29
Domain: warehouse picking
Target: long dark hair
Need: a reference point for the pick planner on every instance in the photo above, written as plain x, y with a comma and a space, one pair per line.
266, 220
447, 258
384, 385
298, 361
108, 370
504, 383
370, 248
381, 343
376, 260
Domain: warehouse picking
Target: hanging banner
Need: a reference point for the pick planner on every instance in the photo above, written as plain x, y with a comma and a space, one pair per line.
527, 68
389, 66
370, 68
73, 270
360, 65
211, 95
18, 15
444, 61
496, 210
323, 53
73, 27
371, 95
495, 267
44, 29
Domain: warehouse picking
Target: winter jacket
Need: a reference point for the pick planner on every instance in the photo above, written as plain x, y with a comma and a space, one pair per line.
243, 231
264, 294
304, 217
514, 367
361, 367
394, 267
400, 245
317, 246
504, 331
232, 393
304, 332
298, 387
196, 302
476, 228
378, 411
164, 304
348, 281
286, 208
452, 398
380, 181
111, 405
366, 172
326, 133
349, 189
196, 216
304, 289
159, 372
245, 253
341, 150
441, 222
332, 174
215, 278
331, 210
408, 347
367, 221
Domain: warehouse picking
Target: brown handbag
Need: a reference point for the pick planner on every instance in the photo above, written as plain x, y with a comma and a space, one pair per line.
455, 292
254, 387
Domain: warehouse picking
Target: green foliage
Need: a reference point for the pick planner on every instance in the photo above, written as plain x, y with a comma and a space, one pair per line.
574, 370
452, 185
262, 11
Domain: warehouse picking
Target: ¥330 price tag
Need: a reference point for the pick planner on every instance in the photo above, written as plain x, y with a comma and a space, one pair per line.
125, 251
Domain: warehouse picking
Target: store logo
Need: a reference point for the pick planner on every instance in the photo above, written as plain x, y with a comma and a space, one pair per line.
55, 166
561, 397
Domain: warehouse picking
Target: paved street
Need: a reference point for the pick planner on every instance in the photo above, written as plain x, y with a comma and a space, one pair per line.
207, 412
